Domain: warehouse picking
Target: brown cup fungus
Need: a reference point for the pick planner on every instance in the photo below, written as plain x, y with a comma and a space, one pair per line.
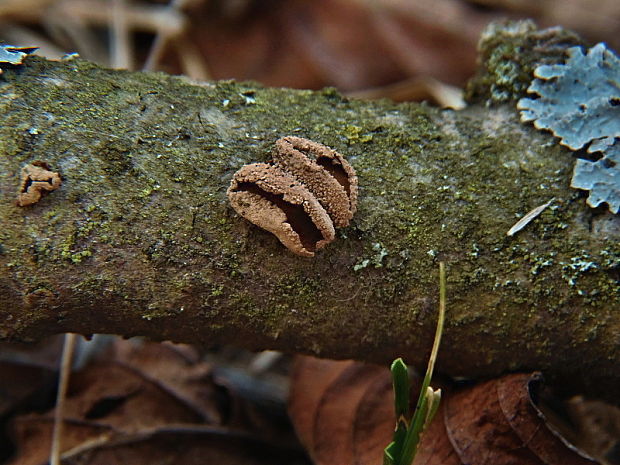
297, 198
36, 180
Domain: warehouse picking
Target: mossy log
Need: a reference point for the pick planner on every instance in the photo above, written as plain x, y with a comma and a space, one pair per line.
140, 238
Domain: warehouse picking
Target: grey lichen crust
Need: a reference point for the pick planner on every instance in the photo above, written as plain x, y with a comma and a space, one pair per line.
11, 55
579, 102
509, 51
601, 178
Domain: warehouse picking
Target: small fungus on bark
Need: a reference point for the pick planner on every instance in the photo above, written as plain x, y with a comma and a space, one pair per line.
36, 179
298, 199
330, 177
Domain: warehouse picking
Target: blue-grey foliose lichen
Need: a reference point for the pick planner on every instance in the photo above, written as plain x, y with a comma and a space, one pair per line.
11, 55
601, 178
579, 102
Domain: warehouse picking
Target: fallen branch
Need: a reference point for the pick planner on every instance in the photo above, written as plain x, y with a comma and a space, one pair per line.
140, 239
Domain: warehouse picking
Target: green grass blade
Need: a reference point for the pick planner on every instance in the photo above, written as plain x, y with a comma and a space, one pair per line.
402, 387
434, 399
388, 454
399, 441
422, 407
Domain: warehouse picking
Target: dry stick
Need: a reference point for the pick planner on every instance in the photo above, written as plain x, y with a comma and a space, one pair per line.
191, 60
120, 49
159, 43
63, 384
62, 23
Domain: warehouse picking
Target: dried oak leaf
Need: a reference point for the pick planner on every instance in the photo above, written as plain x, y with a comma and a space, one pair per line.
178, 370
343, 413
184, 445
33, 436
597, 428
140, 389
352, 45
496, 423
93, 444
21, 383
331, 407
36, 179
150, 403
123, 398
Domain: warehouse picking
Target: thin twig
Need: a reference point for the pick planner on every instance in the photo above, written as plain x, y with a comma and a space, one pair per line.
160, 41
63, 384
120, 47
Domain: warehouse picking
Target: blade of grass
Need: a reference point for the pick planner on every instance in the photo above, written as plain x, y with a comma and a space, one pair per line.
434, 397
419, 416
401, 386
388, 454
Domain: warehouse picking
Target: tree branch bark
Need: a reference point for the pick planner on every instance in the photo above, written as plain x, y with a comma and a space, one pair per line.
140, 239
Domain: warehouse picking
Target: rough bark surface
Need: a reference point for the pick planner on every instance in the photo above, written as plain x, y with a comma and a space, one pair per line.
140, 239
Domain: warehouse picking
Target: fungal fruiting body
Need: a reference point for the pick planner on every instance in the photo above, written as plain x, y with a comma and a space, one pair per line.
275, 201
298, 199
329, 177
36, 179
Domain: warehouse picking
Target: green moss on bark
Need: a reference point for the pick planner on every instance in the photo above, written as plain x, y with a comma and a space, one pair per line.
140, 238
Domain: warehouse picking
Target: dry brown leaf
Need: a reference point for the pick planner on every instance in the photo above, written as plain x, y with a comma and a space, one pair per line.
136, 400
597, 428
351, 44
176, 369
33, 437
20, 382
342, 411
309, 378
118, 396
495, 423
186, 447
90, 444
516, 393
339, 408
374, 419
344, 43
348, 417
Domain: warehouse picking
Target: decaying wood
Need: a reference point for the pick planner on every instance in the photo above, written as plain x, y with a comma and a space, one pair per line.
140, 238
